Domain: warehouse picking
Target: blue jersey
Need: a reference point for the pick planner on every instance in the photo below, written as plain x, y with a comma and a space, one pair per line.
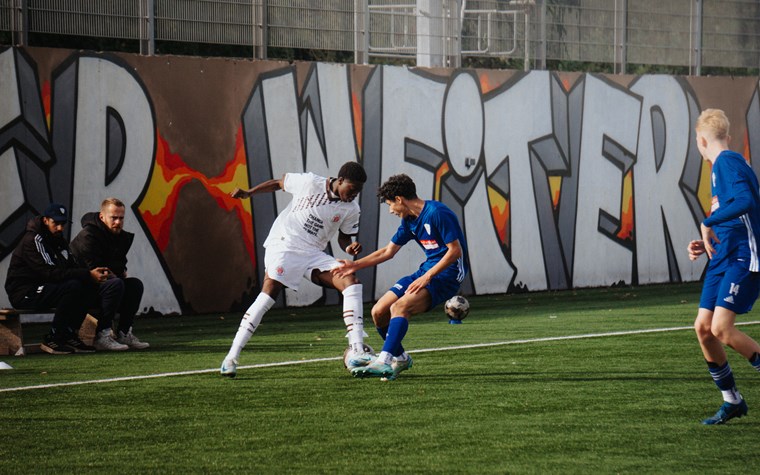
435, 227
735, 213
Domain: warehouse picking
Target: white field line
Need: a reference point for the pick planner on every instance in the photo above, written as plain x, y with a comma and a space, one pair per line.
337, 358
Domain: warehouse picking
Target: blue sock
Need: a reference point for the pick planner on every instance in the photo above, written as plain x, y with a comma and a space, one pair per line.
724, 379
396, 331
755, 361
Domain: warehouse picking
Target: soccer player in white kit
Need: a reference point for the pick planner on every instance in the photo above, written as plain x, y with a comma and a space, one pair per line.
295, 248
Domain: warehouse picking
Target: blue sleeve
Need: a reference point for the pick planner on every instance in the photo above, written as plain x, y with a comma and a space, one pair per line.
448, 226
739, 203
403, 235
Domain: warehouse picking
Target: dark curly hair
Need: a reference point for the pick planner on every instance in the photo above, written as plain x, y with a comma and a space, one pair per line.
397, 185
353, 172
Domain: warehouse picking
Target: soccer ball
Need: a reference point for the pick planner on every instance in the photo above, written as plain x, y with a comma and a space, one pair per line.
367, 349
456, 308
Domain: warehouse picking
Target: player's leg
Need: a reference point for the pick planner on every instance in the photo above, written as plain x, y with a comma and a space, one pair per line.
270, 289
735, 292
353, 308
402, 309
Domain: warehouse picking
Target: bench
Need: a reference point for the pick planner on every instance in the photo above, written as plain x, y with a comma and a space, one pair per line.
11, 334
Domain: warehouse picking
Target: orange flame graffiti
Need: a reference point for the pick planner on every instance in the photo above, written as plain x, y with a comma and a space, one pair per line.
171, 173
357, 108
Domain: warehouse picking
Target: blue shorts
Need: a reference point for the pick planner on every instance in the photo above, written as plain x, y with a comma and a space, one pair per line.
735, 289
441, 287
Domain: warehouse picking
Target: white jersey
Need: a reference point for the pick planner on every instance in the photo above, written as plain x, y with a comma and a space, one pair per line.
313, 216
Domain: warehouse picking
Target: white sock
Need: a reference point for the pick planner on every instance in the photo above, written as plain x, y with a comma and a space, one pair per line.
249, 323
732, 396
385, 357
402, 357
353, 317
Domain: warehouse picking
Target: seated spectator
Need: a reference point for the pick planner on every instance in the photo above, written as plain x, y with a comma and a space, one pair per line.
42, 275
102, 242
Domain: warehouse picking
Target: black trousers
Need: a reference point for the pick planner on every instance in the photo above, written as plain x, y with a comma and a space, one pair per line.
120, 296
71, 299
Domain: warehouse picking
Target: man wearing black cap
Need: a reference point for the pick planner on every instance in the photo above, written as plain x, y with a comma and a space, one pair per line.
41, 275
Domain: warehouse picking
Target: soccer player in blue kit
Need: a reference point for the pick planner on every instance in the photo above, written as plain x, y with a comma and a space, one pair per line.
732, 281
436, 229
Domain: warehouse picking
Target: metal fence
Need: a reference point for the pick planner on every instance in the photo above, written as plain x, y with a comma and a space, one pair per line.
623, 33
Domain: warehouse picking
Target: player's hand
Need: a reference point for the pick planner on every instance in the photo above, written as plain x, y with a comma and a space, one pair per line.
353, 249
238, 193
420, 283
346, 268
696, 248
708, 237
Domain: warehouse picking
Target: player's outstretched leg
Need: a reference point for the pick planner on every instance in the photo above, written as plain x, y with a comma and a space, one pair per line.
248, 325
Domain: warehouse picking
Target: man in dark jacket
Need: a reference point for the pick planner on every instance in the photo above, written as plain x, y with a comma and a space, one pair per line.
42, 275
102, 242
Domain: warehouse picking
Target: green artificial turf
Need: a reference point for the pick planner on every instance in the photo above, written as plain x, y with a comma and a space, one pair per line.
627, 403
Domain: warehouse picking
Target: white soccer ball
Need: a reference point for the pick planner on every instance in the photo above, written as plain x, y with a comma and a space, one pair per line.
457, 307
347, 353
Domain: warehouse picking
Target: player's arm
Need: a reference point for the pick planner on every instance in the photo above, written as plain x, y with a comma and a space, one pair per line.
453, 252
347, 243
377, 257
264, 187
742, 201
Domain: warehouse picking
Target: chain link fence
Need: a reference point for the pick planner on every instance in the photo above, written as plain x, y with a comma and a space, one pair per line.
623, 34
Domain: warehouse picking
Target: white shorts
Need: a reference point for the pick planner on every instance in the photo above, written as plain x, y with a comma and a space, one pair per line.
287, 266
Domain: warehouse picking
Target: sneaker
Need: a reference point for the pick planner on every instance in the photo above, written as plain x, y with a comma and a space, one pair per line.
374, 370
727, 412
131, 340
55, 346
104, 342
352, 359
78, 345
399, 366
229, 367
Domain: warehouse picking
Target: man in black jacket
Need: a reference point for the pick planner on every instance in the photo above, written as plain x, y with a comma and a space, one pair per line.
42, 275
102, 242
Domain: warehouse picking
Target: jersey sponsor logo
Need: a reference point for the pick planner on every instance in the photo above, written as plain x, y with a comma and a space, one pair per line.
429, 243
336, 218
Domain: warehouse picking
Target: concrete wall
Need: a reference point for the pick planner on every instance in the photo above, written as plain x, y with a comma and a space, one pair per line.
560, 180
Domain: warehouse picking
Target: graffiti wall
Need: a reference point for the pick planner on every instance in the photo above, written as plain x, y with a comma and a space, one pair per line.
560, 180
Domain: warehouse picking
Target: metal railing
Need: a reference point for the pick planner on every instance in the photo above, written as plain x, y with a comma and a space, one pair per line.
624, 33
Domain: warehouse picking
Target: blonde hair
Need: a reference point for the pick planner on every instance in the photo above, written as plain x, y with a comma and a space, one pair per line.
111, 201
715, 123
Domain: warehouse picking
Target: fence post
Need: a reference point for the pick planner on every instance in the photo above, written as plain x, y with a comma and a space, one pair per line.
361, 31
260, 36
695, 55
541, 48
147, 27
621, 36
20, 22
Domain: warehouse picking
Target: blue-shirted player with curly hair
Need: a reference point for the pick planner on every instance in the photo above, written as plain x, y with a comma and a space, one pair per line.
437, 231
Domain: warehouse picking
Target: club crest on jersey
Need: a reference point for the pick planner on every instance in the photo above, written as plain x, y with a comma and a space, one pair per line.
280, 270
336, 218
